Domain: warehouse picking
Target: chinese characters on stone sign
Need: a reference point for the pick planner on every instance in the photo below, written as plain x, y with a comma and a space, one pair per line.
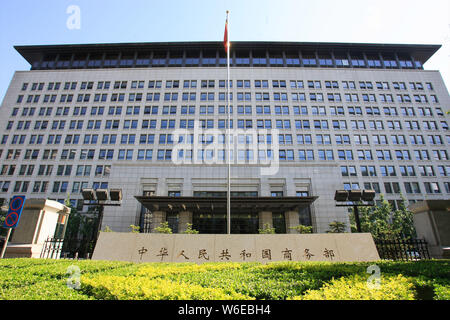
328, 253
202, 254
308, 254
142, 251
163, 253
225, 255
182, 254
244, 254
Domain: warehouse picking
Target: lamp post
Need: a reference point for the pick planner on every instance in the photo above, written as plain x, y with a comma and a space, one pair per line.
100, 199
355, 199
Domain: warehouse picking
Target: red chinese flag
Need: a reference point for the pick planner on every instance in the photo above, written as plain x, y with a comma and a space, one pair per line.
225, 36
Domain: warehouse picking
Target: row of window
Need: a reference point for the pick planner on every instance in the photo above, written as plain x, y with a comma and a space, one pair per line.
392, 171
246, 153
237, 59
394, 187
77, 186
62, 170
104, 170
221, 96
221, 109
319, 139
192, 84
42, 186
222, 124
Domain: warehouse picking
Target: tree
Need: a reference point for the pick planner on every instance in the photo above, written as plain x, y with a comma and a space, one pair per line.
383, 222
337, 227
302, 229
402, 222
163, 228
267, 229
375, 220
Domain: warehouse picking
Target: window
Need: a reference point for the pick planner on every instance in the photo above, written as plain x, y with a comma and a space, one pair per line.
325, 154
432, 187
145, 154
306, 155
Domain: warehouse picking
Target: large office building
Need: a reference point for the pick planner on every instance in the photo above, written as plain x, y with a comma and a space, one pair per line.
306, 119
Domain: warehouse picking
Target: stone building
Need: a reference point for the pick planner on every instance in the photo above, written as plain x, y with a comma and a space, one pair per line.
307, 119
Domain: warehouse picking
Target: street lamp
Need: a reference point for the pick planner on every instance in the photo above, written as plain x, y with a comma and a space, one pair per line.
353, 198
341, 195
115, 194
368, 195
88, 194
101, 194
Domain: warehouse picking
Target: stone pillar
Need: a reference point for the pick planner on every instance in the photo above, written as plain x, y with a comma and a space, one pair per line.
432, 223
291, 218
39, 220
185, 217
265, 217
157, 219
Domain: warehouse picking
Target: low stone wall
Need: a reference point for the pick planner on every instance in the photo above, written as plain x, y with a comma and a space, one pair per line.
265, 248
432, 223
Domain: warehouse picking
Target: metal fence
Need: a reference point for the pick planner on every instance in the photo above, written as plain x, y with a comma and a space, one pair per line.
55, 248
401, 249
52, 248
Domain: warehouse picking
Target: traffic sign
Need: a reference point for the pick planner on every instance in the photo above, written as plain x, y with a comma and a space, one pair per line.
15, 210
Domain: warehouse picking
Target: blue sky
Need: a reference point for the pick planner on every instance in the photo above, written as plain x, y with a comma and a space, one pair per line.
24, 22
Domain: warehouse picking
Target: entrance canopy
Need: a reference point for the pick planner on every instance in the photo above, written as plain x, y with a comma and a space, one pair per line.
218, 204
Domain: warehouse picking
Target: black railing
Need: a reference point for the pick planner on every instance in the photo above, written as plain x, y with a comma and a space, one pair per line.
401, 249
55, 248
78, 248
52, 248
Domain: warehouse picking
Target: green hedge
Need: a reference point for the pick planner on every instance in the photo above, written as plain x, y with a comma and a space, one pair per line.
47, 279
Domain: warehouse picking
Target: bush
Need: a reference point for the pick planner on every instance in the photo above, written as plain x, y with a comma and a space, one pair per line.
337, 227
189, 229
163, 228
267, 229
142, 288
357, 288
302, 229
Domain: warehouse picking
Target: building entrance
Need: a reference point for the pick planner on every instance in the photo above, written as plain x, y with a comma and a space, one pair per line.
208, 213
216, 223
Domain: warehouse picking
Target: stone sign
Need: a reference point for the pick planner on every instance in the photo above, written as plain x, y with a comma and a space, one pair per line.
201, 248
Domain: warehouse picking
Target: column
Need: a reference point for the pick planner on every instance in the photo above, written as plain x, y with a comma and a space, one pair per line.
291, 218
157, 219
184, 218
265, 217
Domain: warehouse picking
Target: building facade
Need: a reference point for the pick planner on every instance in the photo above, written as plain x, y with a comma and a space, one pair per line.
307, 119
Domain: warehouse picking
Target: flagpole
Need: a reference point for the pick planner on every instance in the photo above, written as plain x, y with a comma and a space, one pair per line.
228, 133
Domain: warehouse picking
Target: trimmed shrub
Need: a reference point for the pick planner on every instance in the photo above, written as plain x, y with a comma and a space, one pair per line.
141, 288
357, 288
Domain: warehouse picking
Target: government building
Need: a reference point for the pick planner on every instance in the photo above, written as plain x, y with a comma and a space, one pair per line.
151, 119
